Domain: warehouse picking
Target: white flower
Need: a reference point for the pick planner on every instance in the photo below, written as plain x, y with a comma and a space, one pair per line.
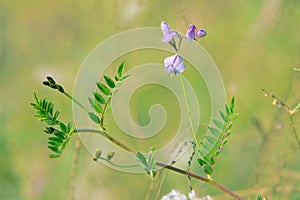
174, 195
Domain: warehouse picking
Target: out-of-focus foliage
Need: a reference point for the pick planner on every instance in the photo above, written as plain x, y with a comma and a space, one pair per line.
254, 43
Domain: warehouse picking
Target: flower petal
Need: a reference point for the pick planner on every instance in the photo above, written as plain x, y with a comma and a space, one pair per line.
174, 64
165, 27
179, 66
169, 36
191, 32
200, 33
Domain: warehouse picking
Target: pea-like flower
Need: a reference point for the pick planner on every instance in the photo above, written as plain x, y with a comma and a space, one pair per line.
193, 33
167, 32
174, 64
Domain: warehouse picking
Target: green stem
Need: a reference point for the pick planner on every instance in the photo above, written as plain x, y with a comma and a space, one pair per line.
189, 112
294, 130
204, 179
108, 136
75, 101
116, 165
170, 167
179, 44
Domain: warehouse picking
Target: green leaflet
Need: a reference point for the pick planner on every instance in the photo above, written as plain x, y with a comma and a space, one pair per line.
95, 105
103, 88
109, 82
94, 117
121, 69
216, 138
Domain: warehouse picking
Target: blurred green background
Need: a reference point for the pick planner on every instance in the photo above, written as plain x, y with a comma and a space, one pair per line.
254, 43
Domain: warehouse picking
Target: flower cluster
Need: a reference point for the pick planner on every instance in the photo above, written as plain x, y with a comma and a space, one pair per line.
174, 64
175, 195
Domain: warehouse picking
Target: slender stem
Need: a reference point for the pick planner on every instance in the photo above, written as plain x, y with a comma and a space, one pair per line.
170, 167
202, 178
104, 110
294, 129
75, 101
108, 136
73, 170
189, 112
116, 165
179, 43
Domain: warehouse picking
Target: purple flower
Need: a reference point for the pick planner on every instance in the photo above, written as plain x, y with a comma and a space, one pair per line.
192, 32
200, 33
174, 64
168, 34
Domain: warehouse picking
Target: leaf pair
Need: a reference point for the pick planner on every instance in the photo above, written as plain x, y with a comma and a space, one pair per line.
148, 164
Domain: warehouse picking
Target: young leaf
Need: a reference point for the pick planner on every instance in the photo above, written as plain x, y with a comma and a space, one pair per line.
224, 117
95, 105
103, 88
232, 105
109, 82
124, 78
218, 123
69, 127
60, 135
207, 169
121, 69
227, 109
55, 139
55, 149
141, 158
54, 155
99, 98
94, 117
63, 127
214, 131
201, 161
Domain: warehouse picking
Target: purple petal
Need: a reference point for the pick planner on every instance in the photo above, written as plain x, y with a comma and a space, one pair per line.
174, 64
179, 66
169, 36
200, 33
165, 27
190, 33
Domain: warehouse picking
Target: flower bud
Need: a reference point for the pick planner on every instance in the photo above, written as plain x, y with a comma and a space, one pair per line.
110, 155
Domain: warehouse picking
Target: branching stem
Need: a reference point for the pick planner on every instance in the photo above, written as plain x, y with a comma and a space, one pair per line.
166, 166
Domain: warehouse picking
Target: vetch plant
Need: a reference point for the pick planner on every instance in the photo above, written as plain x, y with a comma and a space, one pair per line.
205, 150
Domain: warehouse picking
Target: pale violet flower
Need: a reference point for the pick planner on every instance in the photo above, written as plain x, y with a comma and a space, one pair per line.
174, 64
174, 195
193, 33
167, 32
